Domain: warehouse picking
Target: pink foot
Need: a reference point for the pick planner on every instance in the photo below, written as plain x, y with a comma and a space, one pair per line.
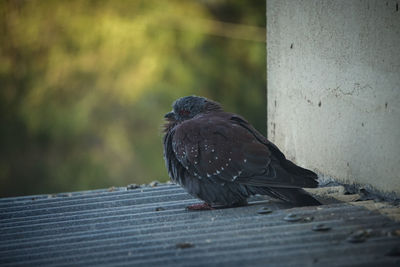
202, 206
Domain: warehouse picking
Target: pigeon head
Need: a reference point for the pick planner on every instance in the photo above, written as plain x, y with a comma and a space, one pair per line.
188, 107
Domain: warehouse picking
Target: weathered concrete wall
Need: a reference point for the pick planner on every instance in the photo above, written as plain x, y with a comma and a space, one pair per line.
333, 70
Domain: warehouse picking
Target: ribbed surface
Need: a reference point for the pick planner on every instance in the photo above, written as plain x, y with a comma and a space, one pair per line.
149, 226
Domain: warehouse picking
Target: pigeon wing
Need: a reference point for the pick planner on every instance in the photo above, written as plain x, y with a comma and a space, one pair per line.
218, 148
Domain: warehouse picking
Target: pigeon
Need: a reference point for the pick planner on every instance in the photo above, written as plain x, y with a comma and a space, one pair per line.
220, 158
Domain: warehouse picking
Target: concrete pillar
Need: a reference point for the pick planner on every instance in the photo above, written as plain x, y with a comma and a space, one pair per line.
333, 89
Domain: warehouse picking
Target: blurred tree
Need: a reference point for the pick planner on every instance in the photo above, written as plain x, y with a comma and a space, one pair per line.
85, 84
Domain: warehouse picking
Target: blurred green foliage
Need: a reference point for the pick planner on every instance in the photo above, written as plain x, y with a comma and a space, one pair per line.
84, 84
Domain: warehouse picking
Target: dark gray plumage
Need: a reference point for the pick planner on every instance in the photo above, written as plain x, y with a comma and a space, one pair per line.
220, 158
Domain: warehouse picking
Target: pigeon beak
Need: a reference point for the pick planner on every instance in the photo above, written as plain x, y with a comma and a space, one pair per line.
170, 115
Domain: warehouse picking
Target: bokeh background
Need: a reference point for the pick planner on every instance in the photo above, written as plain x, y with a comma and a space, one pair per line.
84, 84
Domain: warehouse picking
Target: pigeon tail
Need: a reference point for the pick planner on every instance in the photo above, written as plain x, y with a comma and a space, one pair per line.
297, 196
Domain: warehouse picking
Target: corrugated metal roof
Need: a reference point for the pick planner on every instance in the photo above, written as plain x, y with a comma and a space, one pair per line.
149, 226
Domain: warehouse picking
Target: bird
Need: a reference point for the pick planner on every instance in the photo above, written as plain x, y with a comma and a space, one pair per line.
221, 159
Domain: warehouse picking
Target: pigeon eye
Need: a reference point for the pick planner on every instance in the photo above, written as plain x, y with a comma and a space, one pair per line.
184, 112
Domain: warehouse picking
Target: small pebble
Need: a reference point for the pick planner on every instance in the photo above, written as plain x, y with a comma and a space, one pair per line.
358, 236
154, 183
308, 219
132, 186
355, 239
320, 227
292, 217
264, 210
